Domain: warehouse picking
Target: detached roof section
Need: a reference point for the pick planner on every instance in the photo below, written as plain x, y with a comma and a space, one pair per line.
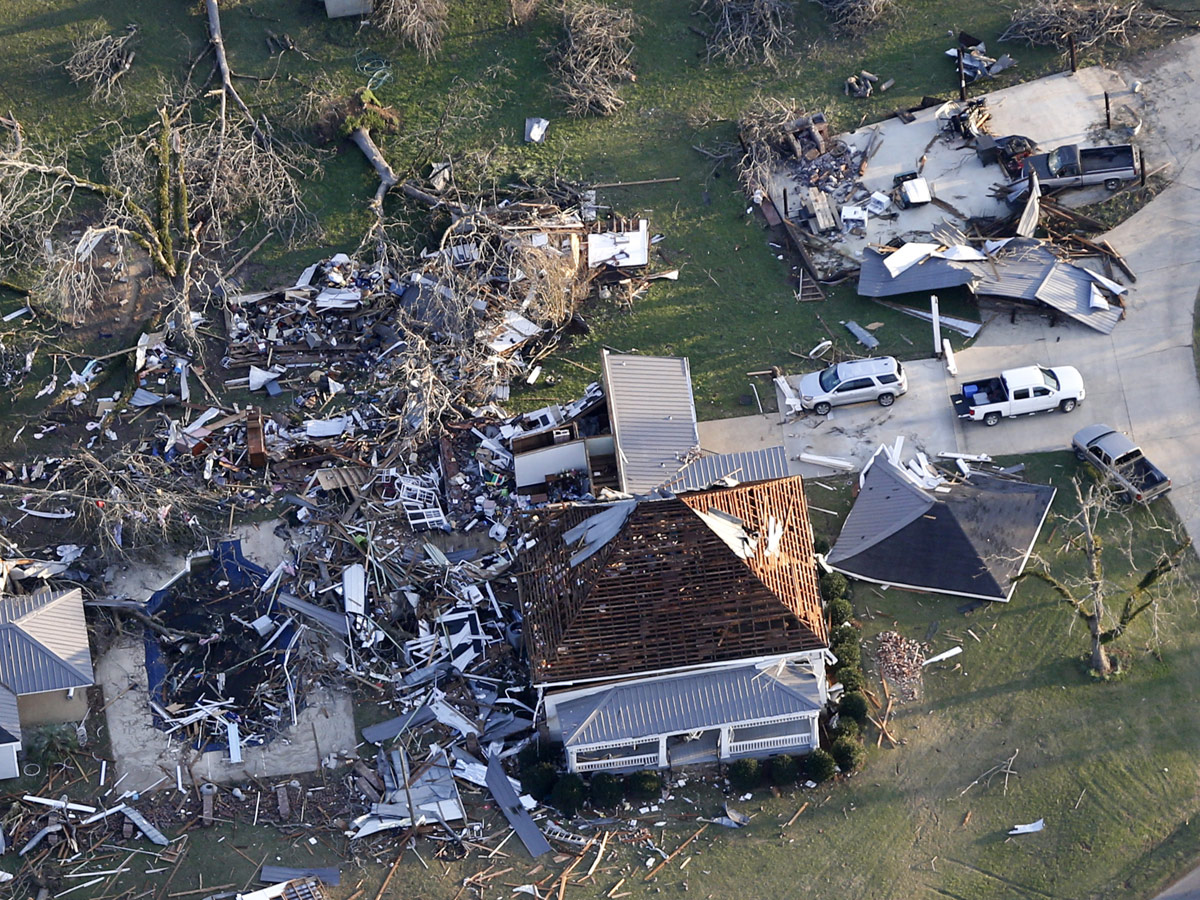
653, 417
970, 542
44, 642
686, 703
615, 590
1022, 269
763, 464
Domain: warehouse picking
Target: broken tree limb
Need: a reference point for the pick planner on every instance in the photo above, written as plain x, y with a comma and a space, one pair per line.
387, 176
218, 44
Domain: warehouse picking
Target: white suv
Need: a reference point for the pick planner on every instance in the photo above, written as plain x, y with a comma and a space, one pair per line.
879, 378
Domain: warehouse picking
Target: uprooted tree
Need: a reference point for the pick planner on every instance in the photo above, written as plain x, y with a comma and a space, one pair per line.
1090, 22
1107, 608
593, 58
174, 189
854, 18
748, 31
421, 24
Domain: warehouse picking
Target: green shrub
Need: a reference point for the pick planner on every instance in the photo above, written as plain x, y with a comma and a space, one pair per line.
51, 743
607, 790
745, 774
833, 585
539, 779
852, 679
819, 766
847, 651
847, 727
644, 785
567, 795
820, 545
848, 753
783, 769
539, 751
840, 611
854, 706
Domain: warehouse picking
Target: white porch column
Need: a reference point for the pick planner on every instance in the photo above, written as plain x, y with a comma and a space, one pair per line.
723, 741
662, 752
571, 760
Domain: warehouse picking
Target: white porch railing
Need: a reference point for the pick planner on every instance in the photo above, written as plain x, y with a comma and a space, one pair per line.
787, 740
617, 762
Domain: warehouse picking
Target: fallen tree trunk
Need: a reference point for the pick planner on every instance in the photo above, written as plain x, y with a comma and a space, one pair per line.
387, 176
218, 43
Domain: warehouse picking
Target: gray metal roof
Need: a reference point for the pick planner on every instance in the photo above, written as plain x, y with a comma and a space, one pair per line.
763, 464
44, 642
686, 703
1069, 290
874, 280
1017, 272
887, 503
520, 820
653, 417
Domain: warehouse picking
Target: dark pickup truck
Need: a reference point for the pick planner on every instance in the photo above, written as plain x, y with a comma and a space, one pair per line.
1121, 461
1075, 166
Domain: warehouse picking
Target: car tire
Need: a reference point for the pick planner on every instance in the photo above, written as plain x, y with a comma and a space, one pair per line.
991, 419
1068, 405
887, 399
1112, 184
822, 409
1080, 455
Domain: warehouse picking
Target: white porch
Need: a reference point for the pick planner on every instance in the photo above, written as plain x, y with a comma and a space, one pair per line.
793, 734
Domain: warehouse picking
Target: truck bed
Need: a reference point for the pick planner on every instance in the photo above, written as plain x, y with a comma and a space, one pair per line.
981, 393
1142, 474
1105, 159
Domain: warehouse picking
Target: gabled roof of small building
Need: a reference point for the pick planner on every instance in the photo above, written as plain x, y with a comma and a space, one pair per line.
653, 417
44, 642
691, 702
972, 541
616, 590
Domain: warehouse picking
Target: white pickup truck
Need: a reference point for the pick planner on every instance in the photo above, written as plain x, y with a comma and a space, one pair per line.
1019, 392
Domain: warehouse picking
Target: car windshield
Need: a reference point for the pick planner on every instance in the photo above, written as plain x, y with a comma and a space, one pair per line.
1050, 378
1056, 160
829, 379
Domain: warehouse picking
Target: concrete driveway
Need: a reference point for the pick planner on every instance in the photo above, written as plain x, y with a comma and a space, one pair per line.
1140, 379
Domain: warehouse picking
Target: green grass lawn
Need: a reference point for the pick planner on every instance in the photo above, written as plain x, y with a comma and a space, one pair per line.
1109, 765
731, 310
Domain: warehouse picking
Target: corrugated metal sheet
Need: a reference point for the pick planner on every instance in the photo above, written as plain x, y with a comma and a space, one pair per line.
653, 417
688, 703
1017, 273
44, 642
1069, 290
764, 464
502, 791
933, 274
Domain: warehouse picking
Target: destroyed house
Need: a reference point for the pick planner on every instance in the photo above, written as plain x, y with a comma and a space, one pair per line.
666, 632
44, 661
970, 539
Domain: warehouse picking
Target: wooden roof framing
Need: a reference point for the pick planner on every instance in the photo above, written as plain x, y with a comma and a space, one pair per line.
668, 592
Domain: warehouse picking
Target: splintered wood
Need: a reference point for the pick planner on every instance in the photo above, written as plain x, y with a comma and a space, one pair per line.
899, 660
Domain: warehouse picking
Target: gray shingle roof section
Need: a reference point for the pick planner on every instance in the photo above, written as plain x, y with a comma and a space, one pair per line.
764, 464
653, 417
887, 503
689, 703
44, 642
